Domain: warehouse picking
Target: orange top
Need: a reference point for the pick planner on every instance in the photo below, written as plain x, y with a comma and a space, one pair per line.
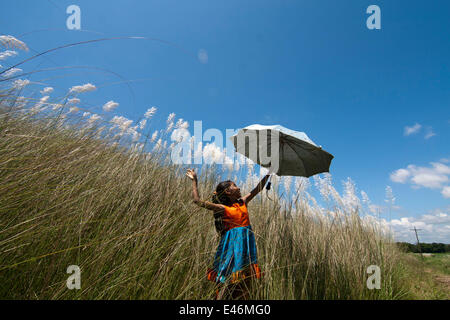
236, 216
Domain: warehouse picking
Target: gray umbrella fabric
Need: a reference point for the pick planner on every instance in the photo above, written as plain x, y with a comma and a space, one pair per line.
285, 152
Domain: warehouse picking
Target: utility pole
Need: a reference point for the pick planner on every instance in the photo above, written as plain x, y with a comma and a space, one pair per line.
418, 243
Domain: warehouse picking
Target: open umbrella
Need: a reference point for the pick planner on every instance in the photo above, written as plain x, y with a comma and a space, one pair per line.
286, 152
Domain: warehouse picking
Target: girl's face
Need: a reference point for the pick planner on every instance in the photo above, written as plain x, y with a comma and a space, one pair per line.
234, 191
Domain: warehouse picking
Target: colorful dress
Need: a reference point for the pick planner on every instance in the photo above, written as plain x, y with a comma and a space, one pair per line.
236, 255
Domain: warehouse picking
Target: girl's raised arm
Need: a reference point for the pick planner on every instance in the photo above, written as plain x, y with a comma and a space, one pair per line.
204, 204
247, 198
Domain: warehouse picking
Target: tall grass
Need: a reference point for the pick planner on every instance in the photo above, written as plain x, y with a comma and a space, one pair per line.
71, 197
73, 192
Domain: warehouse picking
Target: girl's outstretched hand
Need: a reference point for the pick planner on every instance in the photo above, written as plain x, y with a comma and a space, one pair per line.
191, 174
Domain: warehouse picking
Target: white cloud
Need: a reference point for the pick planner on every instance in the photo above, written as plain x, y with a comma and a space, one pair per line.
441, 168
212, 154
110, 105
400, 175
202, 56
435, 227
429, 179
434, 177
412, 130
180, 135
83, 88
429, 133
446, 192
375, 208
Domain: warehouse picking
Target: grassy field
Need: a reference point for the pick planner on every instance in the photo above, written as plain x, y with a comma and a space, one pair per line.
439, 262
127, 219
430, 276
72, 193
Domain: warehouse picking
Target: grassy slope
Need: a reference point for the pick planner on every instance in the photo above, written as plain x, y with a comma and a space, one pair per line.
440, 262
127, 220
428, 278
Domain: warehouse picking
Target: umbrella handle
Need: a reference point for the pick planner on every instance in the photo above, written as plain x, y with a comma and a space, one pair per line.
269, 183
268, 188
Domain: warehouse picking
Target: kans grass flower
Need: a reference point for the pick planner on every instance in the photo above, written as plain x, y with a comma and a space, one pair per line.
154, 136
11, 72
121, 122
171, 117
170, 123
7, 54
10, 42
158, 144
19, 84
94, 118
150, 112
46, 90
73, 110
73, 101
20, 102
57, 106
38, 106
142, 123
181, 124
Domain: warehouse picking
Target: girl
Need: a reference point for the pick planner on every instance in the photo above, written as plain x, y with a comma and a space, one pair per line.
236, 257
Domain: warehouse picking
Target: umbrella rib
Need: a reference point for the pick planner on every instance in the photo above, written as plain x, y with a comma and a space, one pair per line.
317, 159
309, 146
287, 143
310, 150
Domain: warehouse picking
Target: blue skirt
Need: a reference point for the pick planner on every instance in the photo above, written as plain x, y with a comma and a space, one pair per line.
235, 254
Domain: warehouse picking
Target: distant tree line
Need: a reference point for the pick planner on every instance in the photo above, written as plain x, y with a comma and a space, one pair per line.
425, 247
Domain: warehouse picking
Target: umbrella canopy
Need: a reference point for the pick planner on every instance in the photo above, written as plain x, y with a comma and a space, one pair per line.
286, 152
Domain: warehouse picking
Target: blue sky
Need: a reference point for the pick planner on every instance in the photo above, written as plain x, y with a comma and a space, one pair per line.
311, 66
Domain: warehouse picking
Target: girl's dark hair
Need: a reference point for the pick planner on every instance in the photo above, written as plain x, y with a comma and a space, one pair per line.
220, 197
